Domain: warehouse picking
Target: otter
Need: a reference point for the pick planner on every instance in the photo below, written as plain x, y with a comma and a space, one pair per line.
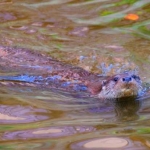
117, 86
24, 61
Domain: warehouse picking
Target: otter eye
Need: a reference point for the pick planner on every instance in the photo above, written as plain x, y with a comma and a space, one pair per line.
116, 79
135, 77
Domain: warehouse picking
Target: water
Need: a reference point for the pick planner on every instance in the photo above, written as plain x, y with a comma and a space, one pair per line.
94, 35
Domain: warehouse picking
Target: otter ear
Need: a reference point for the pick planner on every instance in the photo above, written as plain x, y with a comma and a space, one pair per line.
94, 87
104, 82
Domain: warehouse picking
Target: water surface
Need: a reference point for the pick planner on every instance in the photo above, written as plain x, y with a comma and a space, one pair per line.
92, 34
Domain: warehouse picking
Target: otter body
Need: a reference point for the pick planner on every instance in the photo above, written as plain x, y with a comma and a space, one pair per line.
43, 68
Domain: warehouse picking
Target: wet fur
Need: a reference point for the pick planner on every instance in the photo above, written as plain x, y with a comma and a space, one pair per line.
33, 63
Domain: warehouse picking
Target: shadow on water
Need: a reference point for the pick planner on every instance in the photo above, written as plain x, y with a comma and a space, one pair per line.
127, 110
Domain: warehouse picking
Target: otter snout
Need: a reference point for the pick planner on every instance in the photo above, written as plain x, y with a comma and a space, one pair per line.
126, 79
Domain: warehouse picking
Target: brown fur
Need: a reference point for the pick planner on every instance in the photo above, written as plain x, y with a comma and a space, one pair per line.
25, 61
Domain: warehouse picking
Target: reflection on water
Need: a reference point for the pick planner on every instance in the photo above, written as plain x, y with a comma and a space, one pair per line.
52, 132
127, 109
19, 114
94, 35
85, 122
102, 143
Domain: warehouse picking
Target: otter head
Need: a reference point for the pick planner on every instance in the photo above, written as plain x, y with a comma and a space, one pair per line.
121, 86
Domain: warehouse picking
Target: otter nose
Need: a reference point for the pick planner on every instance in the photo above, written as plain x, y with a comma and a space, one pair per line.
126, 79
